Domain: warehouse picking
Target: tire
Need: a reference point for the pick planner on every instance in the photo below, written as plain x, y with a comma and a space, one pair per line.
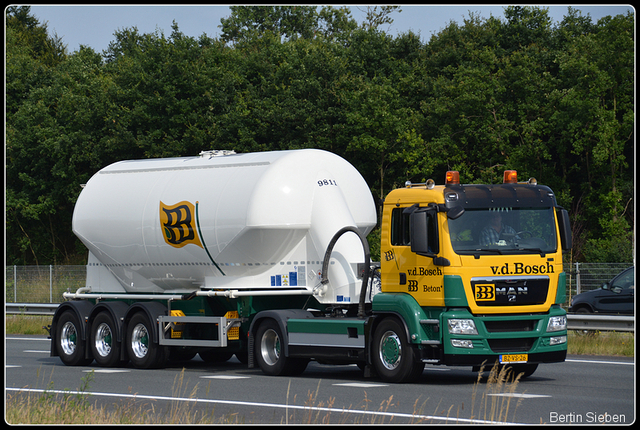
270, 352
69, 343
142, 351
392, 356
104, 346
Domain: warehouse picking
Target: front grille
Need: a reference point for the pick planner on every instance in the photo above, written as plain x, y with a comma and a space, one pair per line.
511, 345
510, 325
510, 291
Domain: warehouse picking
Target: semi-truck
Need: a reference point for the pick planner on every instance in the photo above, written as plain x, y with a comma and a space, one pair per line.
265, 256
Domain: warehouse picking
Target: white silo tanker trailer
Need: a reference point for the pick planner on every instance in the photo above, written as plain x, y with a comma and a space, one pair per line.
264, 256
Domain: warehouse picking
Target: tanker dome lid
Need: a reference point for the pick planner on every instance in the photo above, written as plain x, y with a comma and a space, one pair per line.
216, 153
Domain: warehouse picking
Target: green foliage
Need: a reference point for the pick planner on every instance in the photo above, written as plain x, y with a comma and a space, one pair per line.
555, 102
248, 23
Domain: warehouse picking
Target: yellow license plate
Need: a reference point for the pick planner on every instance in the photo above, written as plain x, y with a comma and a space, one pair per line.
514, 358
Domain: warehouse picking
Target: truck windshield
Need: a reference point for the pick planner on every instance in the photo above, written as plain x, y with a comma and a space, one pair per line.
504, 230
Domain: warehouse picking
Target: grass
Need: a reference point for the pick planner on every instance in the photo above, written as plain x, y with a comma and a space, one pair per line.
26, 324
601, 343
67, 407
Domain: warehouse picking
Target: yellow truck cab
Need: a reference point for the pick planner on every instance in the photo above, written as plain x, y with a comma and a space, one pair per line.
475, 271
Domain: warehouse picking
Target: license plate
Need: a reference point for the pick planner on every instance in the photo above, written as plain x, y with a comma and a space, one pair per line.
514, 358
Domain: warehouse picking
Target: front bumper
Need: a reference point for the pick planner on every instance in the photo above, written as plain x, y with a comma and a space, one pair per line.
504, 335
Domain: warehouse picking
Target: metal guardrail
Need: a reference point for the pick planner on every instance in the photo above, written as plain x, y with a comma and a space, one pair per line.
574, 321
31, 308
601, 322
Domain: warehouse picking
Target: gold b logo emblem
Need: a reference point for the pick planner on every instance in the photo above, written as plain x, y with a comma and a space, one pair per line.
485, 292
179, 224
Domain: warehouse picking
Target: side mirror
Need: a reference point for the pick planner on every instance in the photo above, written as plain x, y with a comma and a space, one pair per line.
423, 229
419, 230
565, 230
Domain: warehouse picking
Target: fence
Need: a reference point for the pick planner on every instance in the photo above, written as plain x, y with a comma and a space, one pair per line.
583, 277
45, 284
42, 284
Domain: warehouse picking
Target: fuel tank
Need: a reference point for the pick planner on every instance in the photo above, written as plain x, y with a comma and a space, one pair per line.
258, 221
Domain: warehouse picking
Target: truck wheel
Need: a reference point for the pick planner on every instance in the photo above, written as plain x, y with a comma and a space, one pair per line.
393, 357
142, 351
69, 341
270, 352
104, 346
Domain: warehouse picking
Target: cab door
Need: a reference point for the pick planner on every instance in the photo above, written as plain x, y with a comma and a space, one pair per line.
395, 253
404, 270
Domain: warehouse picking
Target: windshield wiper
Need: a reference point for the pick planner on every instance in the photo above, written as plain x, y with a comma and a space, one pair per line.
477, 252
538, 250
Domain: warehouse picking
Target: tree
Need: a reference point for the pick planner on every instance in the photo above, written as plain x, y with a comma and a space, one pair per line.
53, 146
28, 31
554, 102
169, 91
376, 17
597, 106
287, 22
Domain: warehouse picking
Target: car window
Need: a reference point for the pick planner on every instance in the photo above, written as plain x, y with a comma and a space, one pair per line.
626, 280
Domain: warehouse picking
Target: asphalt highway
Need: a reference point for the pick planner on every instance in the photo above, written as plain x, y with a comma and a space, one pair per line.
582, 390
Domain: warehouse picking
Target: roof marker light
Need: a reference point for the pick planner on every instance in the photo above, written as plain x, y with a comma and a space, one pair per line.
452, 177
510, 177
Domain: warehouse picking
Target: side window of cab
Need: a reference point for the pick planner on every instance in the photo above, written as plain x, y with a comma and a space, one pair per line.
400, 228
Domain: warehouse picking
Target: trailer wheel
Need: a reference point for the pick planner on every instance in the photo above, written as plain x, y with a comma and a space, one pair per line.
69, 342
393, 356
270, 352
142, 351
104, 346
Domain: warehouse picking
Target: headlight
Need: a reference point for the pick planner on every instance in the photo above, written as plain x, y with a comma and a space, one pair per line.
462, 326
557, 323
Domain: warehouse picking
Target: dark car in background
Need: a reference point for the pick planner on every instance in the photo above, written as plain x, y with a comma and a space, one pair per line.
614, 297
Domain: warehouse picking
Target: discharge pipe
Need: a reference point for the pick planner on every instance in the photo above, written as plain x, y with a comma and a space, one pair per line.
367, 257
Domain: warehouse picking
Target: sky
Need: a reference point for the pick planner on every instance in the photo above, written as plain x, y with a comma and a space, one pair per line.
94, 26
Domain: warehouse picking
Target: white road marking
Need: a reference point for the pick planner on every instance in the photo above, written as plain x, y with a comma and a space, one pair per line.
520, 395
107, 370
359, 385
229, 377
36, 351
630, 363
